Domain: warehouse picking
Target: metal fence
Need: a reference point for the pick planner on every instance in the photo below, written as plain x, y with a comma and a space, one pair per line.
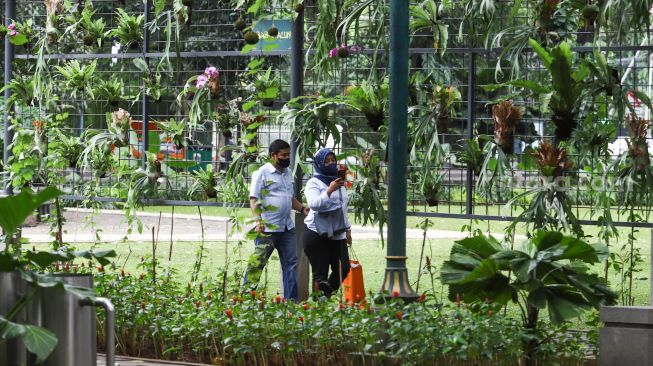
209, 38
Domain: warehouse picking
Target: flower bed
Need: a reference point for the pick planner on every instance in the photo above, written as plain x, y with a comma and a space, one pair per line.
163, 319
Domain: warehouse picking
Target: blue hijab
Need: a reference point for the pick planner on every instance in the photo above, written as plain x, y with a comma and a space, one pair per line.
321, 172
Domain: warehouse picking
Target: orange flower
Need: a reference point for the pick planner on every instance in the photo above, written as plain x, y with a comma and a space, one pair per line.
395, 294
301, 319
229, 313
399, 315
305, 306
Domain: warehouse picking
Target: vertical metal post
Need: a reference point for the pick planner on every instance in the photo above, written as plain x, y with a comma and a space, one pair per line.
471, 81
396, 282
146, 46
297, 90
10, 14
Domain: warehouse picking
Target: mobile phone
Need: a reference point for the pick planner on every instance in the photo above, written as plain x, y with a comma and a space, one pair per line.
342, 174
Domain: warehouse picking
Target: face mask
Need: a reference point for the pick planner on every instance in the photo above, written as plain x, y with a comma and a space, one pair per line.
284, 162
331, 170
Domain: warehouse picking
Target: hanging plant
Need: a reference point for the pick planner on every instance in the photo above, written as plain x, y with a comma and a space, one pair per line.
68, 148
52, 9
427, 16
344, 51
310, 121
638, 144
506, 117
129, 29
22, 90
175, 131
91, 30
369, 99
102, 143
548, 206
251, 37
205, 181
443, 103
240, 24
109, 90
77, 76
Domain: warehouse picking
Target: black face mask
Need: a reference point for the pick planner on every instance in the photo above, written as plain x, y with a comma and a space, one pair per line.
284, 162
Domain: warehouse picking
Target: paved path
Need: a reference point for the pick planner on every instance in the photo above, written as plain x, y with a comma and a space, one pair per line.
124, 361
111, 226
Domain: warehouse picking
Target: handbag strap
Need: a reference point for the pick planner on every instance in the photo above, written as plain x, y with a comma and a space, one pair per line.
353, 253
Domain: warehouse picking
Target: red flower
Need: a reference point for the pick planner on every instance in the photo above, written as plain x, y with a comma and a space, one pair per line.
395, 294
305, 306
457, 299
301, 319
399, 315
278, 299
229, 313
198, 304
422, 298
233, 300
252, 293
341, 306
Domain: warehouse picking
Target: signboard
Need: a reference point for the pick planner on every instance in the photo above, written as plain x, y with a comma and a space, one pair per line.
281, 42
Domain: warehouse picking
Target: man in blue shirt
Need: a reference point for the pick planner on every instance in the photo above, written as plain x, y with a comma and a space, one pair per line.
271, 200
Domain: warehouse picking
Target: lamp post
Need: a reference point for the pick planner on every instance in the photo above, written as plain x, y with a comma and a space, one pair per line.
396, 281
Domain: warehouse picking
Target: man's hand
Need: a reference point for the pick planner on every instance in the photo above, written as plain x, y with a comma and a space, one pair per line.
349, 239
260, 227
305, 211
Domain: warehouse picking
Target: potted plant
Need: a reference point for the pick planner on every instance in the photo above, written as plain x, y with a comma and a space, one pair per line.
129, 29
52, 9
427, 16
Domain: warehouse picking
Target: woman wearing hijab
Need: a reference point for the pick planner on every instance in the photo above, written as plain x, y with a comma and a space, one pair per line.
327, 248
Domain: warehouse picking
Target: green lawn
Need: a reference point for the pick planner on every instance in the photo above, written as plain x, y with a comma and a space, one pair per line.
370, 253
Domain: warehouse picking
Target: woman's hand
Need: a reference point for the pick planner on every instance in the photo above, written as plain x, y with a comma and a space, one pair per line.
335, 185
349, 240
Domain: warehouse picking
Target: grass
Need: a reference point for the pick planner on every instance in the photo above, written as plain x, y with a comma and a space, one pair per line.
370, 253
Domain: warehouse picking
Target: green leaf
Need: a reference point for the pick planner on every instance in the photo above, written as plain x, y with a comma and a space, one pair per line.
18, 40
15, 209
39, 341
8, 262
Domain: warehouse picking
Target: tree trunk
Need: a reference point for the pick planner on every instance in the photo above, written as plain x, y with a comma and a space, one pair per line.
531, 326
